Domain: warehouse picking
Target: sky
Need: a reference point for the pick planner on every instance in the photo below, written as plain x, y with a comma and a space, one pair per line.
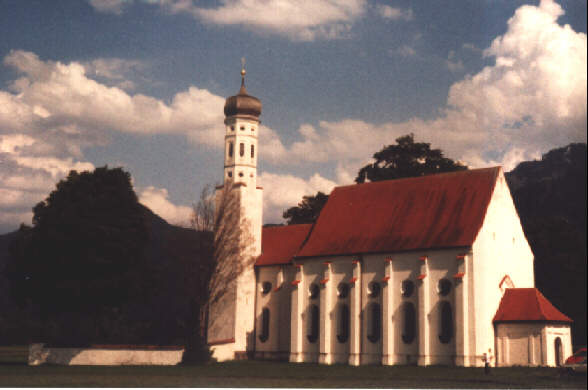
141, 84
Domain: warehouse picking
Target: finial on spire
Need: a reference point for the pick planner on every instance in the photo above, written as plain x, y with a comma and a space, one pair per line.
243, 72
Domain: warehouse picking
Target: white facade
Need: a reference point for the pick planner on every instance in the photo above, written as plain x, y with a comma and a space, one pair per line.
428, 306
532, 344
235, 337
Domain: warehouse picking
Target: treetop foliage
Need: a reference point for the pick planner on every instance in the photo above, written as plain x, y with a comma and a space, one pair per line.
404, 159
407, 159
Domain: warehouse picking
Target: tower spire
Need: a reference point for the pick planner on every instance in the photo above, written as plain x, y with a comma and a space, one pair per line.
243, 73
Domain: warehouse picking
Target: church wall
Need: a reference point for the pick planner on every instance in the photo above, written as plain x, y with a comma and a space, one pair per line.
372, 272
312, 274
277, 302
531, 343
405, 267
341, 272
441, 267
499, 249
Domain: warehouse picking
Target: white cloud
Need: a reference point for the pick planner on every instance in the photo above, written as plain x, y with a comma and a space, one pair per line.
157, 200
403, 51
454, 64
110, 6
391, 13
281, 192
302, 20
533, 99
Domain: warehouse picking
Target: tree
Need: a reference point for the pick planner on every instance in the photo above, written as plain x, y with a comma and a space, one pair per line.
202, 218
307, 210
407, 159
82, 257
233, 257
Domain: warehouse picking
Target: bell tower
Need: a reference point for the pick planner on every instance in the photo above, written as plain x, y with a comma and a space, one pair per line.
231, 332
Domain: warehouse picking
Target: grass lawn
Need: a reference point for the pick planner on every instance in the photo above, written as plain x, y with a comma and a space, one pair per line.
270, 374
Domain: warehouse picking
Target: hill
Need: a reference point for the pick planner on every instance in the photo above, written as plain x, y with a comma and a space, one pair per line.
550, 197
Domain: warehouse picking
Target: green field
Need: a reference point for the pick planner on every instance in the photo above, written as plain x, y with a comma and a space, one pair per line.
269, 374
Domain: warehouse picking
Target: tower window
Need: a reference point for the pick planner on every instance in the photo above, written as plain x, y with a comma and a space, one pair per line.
342, 290
252, 151
252, 129
230, 149
240, 174
241, 149
242, 128
232, 128
230, 174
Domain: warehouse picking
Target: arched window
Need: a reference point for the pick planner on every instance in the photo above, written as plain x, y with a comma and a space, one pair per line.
343, 323
342, 290
374, 322
409, 325
312, 333
373, 289
558, 352
313, 291
444, 287
241, 149
230, 149
407, 288
266, 287
446, 323
252, 151
265, 325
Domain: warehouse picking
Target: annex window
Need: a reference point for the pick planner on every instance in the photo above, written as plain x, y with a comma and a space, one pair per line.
343, 323
265, 325
409, 324
241, 149
230, 149
252, 151
446, 319
374, 322
312, 333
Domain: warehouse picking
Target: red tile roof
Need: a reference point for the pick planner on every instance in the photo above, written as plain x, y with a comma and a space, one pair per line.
279, 244
436, 211
527, 304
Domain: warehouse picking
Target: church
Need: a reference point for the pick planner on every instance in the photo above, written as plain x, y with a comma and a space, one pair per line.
432, 270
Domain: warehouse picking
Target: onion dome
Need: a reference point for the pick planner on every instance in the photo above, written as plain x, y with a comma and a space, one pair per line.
243, 104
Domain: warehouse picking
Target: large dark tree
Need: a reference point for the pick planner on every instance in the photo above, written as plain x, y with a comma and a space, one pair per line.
407, 159
84, 255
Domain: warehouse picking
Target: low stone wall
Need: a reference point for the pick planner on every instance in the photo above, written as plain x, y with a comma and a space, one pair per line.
105, 356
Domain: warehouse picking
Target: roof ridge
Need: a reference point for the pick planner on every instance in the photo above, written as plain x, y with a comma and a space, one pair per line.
496, 167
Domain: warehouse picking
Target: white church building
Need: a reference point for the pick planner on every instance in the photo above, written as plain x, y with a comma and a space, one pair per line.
426, 270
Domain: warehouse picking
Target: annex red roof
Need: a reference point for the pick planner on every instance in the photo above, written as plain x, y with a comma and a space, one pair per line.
527, 304
279, 244
436, 211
